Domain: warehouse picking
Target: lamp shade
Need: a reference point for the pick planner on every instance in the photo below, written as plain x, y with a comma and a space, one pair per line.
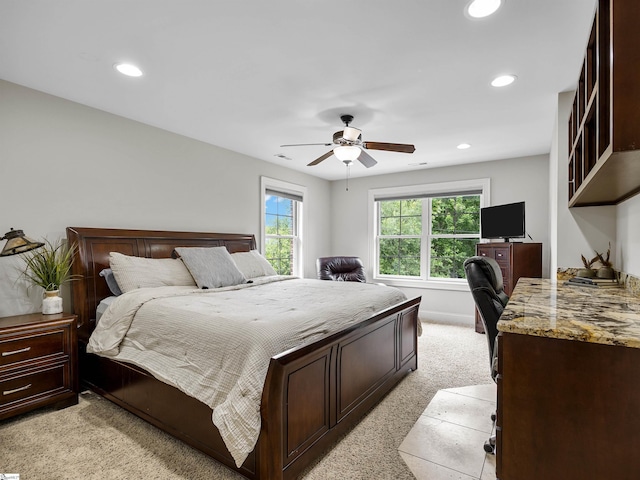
17, 242
351, 134
346, 153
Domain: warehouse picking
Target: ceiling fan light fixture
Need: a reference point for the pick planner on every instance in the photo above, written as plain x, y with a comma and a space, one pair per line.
351, 134
346, 152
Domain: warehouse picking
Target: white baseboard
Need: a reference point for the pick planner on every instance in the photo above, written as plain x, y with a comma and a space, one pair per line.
445, 317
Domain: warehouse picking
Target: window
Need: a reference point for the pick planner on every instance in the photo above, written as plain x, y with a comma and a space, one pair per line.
282, 225
426, 232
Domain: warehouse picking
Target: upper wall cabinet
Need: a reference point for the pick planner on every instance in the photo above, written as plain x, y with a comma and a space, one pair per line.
604, 125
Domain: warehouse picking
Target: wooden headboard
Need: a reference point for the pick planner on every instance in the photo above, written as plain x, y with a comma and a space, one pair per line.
92, 256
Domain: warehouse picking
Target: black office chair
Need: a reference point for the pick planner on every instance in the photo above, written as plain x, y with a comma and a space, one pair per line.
345, 269
485, 280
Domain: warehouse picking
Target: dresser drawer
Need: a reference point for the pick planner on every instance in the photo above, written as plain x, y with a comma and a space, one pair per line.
31, 347
32, 385
501, 255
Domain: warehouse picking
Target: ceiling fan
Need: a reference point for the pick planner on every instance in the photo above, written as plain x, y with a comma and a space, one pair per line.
349, 146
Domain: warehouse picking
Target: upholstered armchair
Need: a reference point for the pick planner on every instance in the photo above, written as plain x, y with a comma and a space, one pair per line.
345, 269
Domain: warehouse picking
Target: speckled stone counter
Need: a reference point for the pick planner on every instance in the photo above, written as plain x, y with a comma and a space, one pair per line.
546, 308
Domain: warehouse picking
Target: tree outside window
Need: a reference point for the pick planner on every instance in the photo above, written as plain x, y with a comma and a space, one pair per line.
280, 232
427, 237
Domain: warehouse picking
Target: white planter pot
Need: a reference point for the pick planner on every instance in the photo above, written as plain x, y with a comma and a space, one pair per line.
52, 302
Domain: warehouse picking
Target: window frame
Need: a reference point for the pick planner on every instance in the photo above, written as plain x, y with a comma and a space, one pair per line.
423, 190
272, 184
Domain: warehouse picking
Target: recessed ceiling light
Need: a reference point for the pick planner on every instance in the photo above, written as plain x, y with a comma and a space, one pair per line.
128, 69
483, 8
463, 146
503, 80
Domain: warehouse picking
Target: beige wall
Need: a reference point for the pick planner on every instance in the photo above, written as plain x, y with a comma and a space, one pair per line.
63, 164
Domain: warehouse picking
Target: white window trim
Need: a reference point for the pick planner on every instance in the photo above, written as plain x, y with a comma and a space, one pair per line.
267, 183
483, 184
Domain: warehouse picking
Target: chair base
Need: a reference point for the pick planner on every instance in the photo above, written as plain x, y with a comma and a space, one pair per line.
490, 445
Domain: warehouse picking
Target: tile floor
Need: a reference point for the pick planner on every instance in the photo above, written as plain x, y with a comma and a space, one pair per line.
446, 443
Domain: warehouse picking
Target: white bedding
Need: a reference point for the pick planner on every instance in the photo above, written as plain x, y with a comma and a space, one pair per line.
215, 345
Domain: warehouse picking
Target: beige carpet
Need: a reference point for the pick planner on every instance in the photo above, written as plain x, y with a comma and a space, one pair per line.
97, 440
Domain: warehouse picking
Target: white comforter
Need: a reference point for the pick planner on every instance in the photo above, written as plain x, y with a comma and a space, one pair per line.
215, 345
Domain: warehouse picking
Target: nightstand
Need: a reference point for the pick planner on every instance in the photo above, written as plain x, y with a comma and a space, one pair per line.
38, 362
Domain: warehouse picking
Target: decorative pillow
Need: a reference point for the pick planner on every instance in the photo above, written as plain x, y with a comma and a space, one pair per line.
252, 264
107, 274
211, 267
139, 272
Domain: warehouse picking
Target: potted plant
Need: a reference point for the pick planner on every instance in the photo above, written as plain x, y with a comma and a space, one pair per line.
49, 267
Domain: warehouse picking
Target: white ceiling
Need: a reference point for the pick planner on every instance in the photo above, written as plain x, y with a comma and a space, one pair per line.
251, 75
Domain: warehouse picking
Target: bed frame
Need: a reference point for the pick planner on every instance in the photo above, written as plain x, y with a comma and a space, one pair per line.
312, 394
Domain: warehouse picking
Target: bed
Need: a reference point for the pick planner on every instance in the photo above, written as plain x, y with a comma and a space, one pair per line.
312, 394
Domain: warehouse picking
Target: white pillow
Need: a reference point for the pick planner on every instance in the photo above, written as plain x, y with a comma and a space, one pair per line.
211, 267
252, 264
139, 272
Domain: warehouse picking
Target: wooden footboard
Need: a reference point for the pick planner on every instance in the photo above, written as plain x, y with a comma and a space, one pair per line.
312, 394
316, 392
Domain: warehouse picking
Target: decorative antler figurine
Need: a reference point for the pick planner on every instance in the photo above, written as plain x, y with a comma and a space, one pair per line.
606, 270
587, 271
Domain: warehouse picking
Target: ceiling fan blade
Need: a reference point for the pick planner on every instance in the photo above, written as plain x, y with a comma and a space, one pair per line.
390, 147
320, 159
306, 144
366, 159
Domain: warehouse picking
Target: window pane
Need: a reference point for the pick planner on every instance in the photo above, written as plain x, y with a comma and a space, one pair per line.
411, 225
448, 256
400, 256
455, 215
390, 208
390, 226
279, 216
401, 217
279, 252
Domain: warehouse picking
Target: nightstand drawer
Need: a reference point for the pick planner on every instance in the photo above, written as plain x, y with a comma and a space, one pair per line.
32, 384
31, 347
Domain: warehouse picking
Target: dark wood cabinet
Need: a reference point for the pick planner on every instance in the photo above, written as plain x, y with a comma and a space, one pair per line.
38, 362
567, 409
604, 141
516, 260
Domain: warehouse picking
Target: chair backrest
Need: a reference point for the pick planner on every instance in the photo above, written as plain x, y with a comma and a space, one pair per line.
485, 280
347, 269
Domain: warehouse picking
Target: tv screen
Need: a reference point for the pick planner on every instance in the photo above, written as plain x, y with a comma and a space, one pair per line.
503, 221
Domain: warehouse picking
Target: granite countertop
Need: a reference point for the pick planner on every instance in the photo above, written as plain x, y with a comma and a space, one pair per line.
546, 308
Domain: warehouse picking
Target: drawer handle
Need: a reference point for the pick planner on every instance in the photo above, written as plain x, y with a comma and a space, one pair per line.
15, 390
22, 350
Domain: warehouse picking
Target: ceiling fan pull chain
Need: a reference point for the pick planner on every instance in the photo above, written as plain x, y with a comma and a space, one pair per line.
348, 171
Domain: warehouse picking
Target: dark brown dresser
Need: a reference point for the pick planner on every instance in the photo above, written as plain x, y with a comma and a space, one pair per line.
38, 362
516, 260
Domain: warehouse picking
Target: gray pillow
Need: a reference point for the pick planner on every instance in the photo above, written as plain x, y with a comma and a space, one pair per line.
108, 275
211, 267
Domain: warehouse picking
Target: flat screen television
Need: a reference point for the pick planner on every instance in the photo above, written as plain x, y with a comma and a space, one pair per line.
503, 221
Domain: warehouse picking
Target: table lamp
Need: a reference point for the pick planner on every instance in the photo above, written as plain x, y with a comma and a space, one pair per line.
17, 242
